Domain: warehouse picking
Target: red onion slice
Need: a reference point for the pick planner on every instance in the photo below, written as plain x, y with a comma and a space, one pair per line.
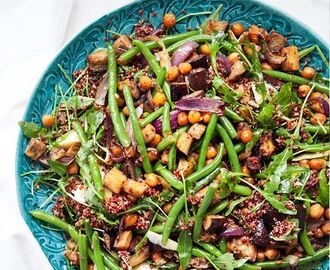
173, 120
202, 105
231, 232
184, 51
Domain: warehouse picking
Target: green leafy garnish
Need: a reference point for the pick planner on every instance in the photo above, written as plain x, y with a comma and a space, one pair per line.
57, 167
30, 129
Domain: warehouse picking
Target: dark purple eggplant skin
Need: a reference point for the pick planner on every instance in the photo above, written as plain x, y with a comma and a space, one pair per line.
197, 79
261, 236
178, 90
301, 215
198, 61
271, 216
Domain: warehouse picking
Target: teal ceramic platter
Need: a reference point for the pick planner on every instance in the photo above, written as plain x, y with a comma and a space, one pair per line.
73, 57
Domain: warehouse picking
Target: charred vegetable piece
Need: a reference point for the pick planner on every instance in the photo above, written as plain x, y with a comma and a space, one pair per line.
35, 149
197, 79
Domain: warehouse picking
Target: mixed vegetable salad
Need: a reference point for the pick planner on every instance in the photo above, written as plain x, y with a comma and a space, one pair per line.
207, 149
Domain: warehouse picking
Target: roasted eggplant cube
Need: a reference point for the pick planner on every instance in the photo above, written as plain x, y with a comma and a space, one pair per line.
197, 79
198, 61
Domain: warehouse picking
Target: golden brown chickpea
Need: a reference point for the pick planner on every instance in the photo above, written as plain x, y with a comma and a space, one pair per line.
125, 111
172, 74
167, 207
152, 180
91, 266
116, 150
246, 135
237, 28
47, 120
159, 99
185, 68
156, 140
303, 90
318, 233
182, 119
233, 58
308, 73
169, 20
208, 161
260, 256
327, 213
271, 253
250, 180
245, 170
304, 163
120, 101
73, 168
145, 83
194, 117
318, 118
211, 152
316, 211
205, 49
326, 228
206, 118
266, 66
152, 155
317, 164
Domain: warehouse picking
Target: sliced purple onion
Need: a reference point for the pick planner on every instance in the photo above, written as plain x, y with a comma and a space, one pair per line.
224, 64
324, 105
202, 105
102, 91
184, 51
231, 232
273, 81
173, 121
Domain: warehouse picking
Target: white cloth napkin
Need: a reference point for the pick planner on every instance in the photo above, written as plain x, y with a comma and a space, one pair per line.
30, 35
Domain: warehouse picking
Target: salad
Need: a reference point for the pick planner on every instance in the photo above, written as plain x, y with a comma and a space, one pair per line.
206, 149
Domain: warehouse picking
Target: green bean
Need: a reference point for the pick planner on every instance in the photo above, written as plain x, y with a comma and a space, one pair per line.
206, 141
88, 230
168, 176
217, 209
112, 101
161, 77
306, 244
239, 147
198, 39
171, 218
223, 245
233, 115
297, 80
82, 245
137, 130
169, 140
172, 158
208, 168
303, 261
157, 228
153, 63
97, 251
241, 190
213, 250
167, 40
202, 211
166, 124
319, 147
323, 195
228, 127
232, 155
205, 181
317, 129
92, 161
123, 119
151, 117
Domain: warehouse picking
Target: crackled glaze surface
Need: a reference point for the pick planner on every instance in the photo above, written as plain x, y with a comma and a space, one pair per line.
73, 57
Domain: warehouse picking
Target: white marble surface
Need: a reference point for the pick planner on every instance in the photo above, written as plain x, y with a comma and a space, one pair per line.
31, 33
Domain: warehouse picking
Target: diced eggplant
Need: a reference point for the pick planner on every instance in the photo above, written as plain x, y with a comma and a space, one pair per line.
184, 142
179, 88
139, 257
35, 149
237, 70
261, 236
123, 240
114, 180
102, 91
255, 33
73, 150
134, 188
275, 42
130, 220
197, 130
98, 60
185, 167
292, 59
197, 79
149, 133
57, 153
122, 44
213, 223
198, 61
243, 247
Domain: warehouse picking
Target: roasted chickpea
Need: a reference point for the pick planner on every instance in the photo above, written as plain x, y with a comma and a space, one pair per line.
145, 83
315, 104
159, 99
169, 20
194, 117
125, 111
246, 135
266, 66
316, 211
326, 228
208, 161
164, 157
237, 28
327, 213
318, 118
205, 49
152, 155
318, 233
250, 180
120, 101
304, 163
245, 170
271, 253
233, 57
47, 120
167, 207
185, 68
182, 119
91, 266
156, 140
211, 152
172, 74
206, 118
218, 177
317, 164
260, 256
152, 180
308, 73
116, 150
73, 168
303, 90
